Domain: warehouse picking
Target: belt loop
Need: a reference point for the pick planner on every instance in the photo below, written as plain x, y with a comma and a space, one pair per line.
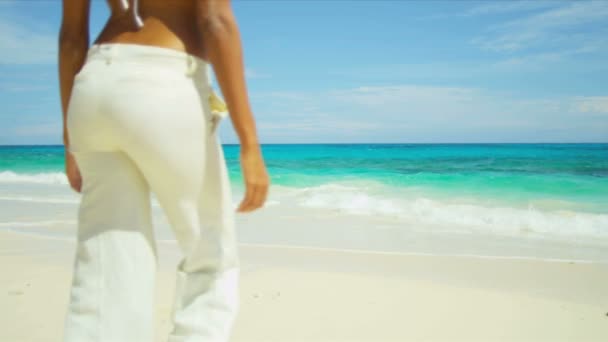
109, 52
192, 66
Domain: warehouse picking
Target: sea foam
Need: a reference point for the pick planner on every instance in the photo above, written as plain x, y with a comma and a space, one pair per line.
38, 178
444, 214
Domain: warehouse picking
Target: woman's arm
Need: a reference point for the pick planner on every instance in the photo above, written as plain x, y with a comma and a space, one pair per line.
221, 36
73, 46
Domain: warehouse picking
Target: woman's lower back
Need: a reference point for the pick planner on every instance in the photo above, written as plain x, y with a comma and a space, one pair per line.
169, 24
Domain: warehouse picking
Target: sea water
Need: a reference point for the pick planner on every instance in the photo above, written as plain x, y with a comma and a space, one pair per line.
550, 190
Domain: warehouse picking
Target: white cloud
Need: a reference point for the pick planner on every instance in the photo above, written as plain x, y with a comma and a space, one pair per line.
592, 104
9, 3
52, 129
251, 73
540, 61
497, 8
25, 87
500, 7
552, 26
23, 44
381, 97
414, 113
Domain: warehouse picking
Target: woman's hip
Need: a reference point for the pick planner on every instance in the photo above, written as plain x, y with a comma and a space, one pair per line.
137, 92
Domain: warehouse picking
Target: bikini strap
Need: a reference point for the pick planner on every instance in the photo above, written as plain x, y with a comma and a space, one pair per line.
126, 4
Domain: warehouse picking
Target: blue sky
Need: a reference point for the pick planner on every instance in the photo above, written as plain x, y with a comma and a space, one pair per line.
368, 71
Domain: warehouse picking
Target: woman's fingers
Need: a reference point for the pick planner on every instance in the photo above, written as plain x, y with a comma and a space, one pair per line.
246, 199
256, 180
255, 196
248, 202
73, 173
76, 184
261, 195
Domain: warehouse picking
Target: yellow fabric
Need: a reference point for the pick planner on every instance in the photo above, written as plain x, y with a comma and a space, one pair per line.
218, 106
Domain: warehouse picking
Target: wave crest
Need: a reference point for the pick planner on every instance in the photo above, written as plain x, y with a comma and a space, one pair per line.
448, 214
37, 178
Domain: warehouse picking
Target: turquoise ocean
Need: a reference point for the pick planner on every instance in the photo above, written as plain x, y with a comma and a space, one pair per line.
558, 190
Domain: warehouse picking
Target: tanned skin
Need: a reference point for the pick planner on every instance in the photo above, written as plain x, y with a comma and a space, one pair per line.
204, 28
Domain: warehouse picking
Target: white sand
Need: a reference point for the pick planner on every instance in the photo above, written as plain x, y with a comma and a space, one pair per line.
306, 294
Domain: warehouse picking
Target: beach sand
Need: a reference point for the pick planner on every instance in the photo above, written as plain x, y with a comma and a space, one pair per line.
316, 294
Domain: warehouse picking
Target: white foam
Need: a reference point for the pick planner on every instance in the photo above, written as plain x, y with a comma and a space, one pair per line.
38, 178
25, 224
349, 199
416, 210
39, 199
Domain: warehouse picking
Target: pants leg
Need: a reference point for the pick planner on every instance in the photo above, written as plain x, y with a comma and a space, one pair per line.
206, 296
112, 292
195, 194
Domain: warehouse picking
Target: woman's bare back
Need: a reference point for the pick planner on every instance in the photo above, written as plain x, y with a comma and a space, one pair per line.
166, 23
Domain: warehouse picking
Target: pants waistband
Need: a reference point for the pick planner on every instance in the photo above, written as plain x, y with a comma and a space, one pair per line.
143, 54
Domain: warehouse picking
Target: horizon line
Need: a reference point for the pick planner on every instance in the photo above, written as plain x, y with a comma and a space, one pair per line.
377, 143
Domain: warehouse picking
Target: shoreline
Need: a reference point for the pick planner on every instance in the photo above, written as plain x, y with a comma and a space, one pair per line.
312, 247
472, 256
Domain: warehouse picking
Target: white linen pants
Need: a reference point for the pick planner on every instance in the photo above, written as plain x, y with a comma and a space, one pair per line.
138, 121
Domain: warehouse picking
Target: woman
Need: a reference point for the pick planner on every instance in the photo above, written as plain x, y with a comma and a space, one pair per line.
137, 111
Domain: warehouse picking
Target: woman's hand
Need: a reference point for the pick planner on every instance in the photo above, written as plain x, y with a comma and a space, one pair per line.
256, 180
72, 172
